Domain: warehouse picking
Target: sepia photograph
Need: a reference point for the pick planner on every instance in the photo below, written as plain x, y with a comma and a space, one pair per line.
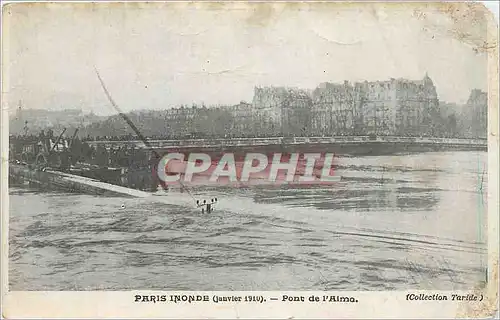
250, 147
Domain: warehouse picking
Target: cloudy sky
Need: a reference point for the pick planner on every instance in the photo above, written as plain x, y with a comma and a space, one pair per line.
161, 55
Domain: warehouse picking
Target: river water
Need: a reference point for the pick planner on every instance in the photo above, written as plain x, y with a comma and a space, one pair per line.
392, 223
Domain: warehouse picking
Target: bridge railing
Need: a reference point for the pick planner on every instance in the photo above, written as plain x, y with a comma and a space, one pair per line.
292, 140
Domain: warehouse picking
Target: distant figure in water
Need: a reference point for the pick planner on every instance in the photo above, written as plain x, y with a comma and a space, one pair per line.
206, 206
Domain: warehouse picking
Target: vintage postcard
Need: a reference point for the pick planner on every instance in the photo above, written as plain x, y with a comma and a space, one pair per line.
249, 160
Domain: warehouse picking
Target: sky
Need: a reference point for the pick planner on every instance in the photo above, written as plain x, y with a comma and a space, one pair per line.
157, 55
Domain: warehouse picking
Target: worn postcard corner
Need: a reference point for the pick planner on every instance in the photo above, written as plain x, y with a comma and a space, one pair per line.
249, 160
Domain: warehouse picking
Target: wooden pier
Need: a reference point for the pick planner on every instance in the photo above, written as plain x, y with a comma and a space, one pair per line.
70, 182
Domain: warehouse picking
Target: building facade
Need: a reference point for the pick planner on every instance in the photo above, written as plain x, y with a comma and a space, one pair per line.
475, 115
417, 106
202, 122
180, 121
241, 123
395, 106
281, 110
336, 108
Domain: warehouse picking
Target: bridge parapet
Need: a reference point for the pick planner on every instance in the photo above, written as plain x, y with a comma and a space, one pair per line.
242, 142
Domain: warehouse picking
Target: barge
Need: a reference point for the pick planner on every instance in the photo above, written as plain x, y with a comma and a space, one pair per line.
47, 178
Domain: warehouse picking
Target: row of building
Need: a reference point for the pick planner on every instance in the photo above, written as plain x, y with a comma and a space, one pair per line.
391, 107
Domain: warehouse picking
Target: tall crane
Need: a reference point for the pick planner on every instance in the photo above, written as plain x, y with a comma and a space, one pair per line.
205, 206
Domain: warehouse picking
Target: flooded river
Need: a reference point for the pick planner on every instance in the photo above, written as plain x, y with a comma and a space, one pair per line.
392, 223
